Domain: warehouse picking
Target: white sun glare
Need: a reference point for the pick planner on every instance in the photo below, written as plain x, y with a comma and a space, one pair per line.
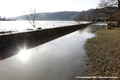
24, 55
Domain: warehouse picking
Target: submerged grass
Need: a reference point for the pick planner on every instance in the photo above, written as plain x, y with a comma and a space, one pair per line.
103, 52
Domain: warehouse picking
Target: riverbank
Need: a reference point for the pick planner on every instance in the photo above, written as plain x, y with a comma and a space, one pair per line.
103, 53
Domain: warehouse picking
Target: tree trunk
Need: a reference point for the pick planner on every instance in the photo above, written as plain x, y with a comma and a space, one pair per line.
118, 4
118, 21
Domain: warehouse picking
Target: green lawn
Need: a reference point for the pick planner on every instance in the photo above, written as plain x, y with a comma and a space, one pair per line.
103, 53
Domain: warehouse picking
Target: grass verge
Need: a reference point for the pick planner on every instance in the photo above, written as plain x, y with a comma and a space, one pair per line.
103, 53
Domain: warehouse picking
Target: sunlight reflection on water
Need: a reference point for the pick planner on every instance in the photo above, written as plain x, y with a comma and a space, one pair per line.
59, 59
24, 55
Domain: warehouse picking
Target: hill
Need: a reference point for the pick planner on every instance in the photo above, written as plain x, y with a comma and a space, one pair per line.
62, 16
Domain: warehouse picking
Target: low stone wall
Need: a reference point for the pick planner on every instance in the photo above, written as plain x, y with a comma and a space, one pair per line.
34, 38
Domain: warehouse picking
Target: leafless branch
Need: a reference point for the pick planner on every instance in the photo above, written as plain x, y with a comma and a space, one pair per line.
31, 17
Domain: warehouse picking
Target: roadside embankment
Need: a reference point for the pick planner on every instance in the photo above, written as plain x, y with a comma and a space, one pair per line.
103, 53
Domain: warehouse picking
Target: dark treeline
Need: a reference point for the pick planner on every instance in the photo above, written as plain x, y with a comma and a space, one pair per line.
108, 11
5, 19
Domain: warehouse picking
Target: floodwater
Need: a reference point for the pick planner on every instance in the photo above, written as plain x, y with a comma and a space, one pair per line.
20, 26
59, 59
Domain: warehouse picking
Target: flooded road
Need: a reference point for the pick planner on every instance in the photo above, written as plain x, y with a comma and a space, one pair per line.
60, 59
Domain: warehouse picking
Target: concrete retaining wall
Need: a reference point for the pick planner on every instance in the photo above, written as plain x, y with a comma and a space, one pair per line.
34, 38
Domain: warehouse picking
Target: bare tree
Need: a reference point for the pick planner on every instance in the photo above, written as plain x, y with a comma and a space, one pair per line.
31, 17
97, 15
111, 8
93, 16
81, 17
117, 17
108, 3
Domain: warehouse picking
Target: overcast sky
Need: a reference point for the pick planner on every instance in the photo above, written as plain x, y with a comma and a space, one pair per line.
11, 8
